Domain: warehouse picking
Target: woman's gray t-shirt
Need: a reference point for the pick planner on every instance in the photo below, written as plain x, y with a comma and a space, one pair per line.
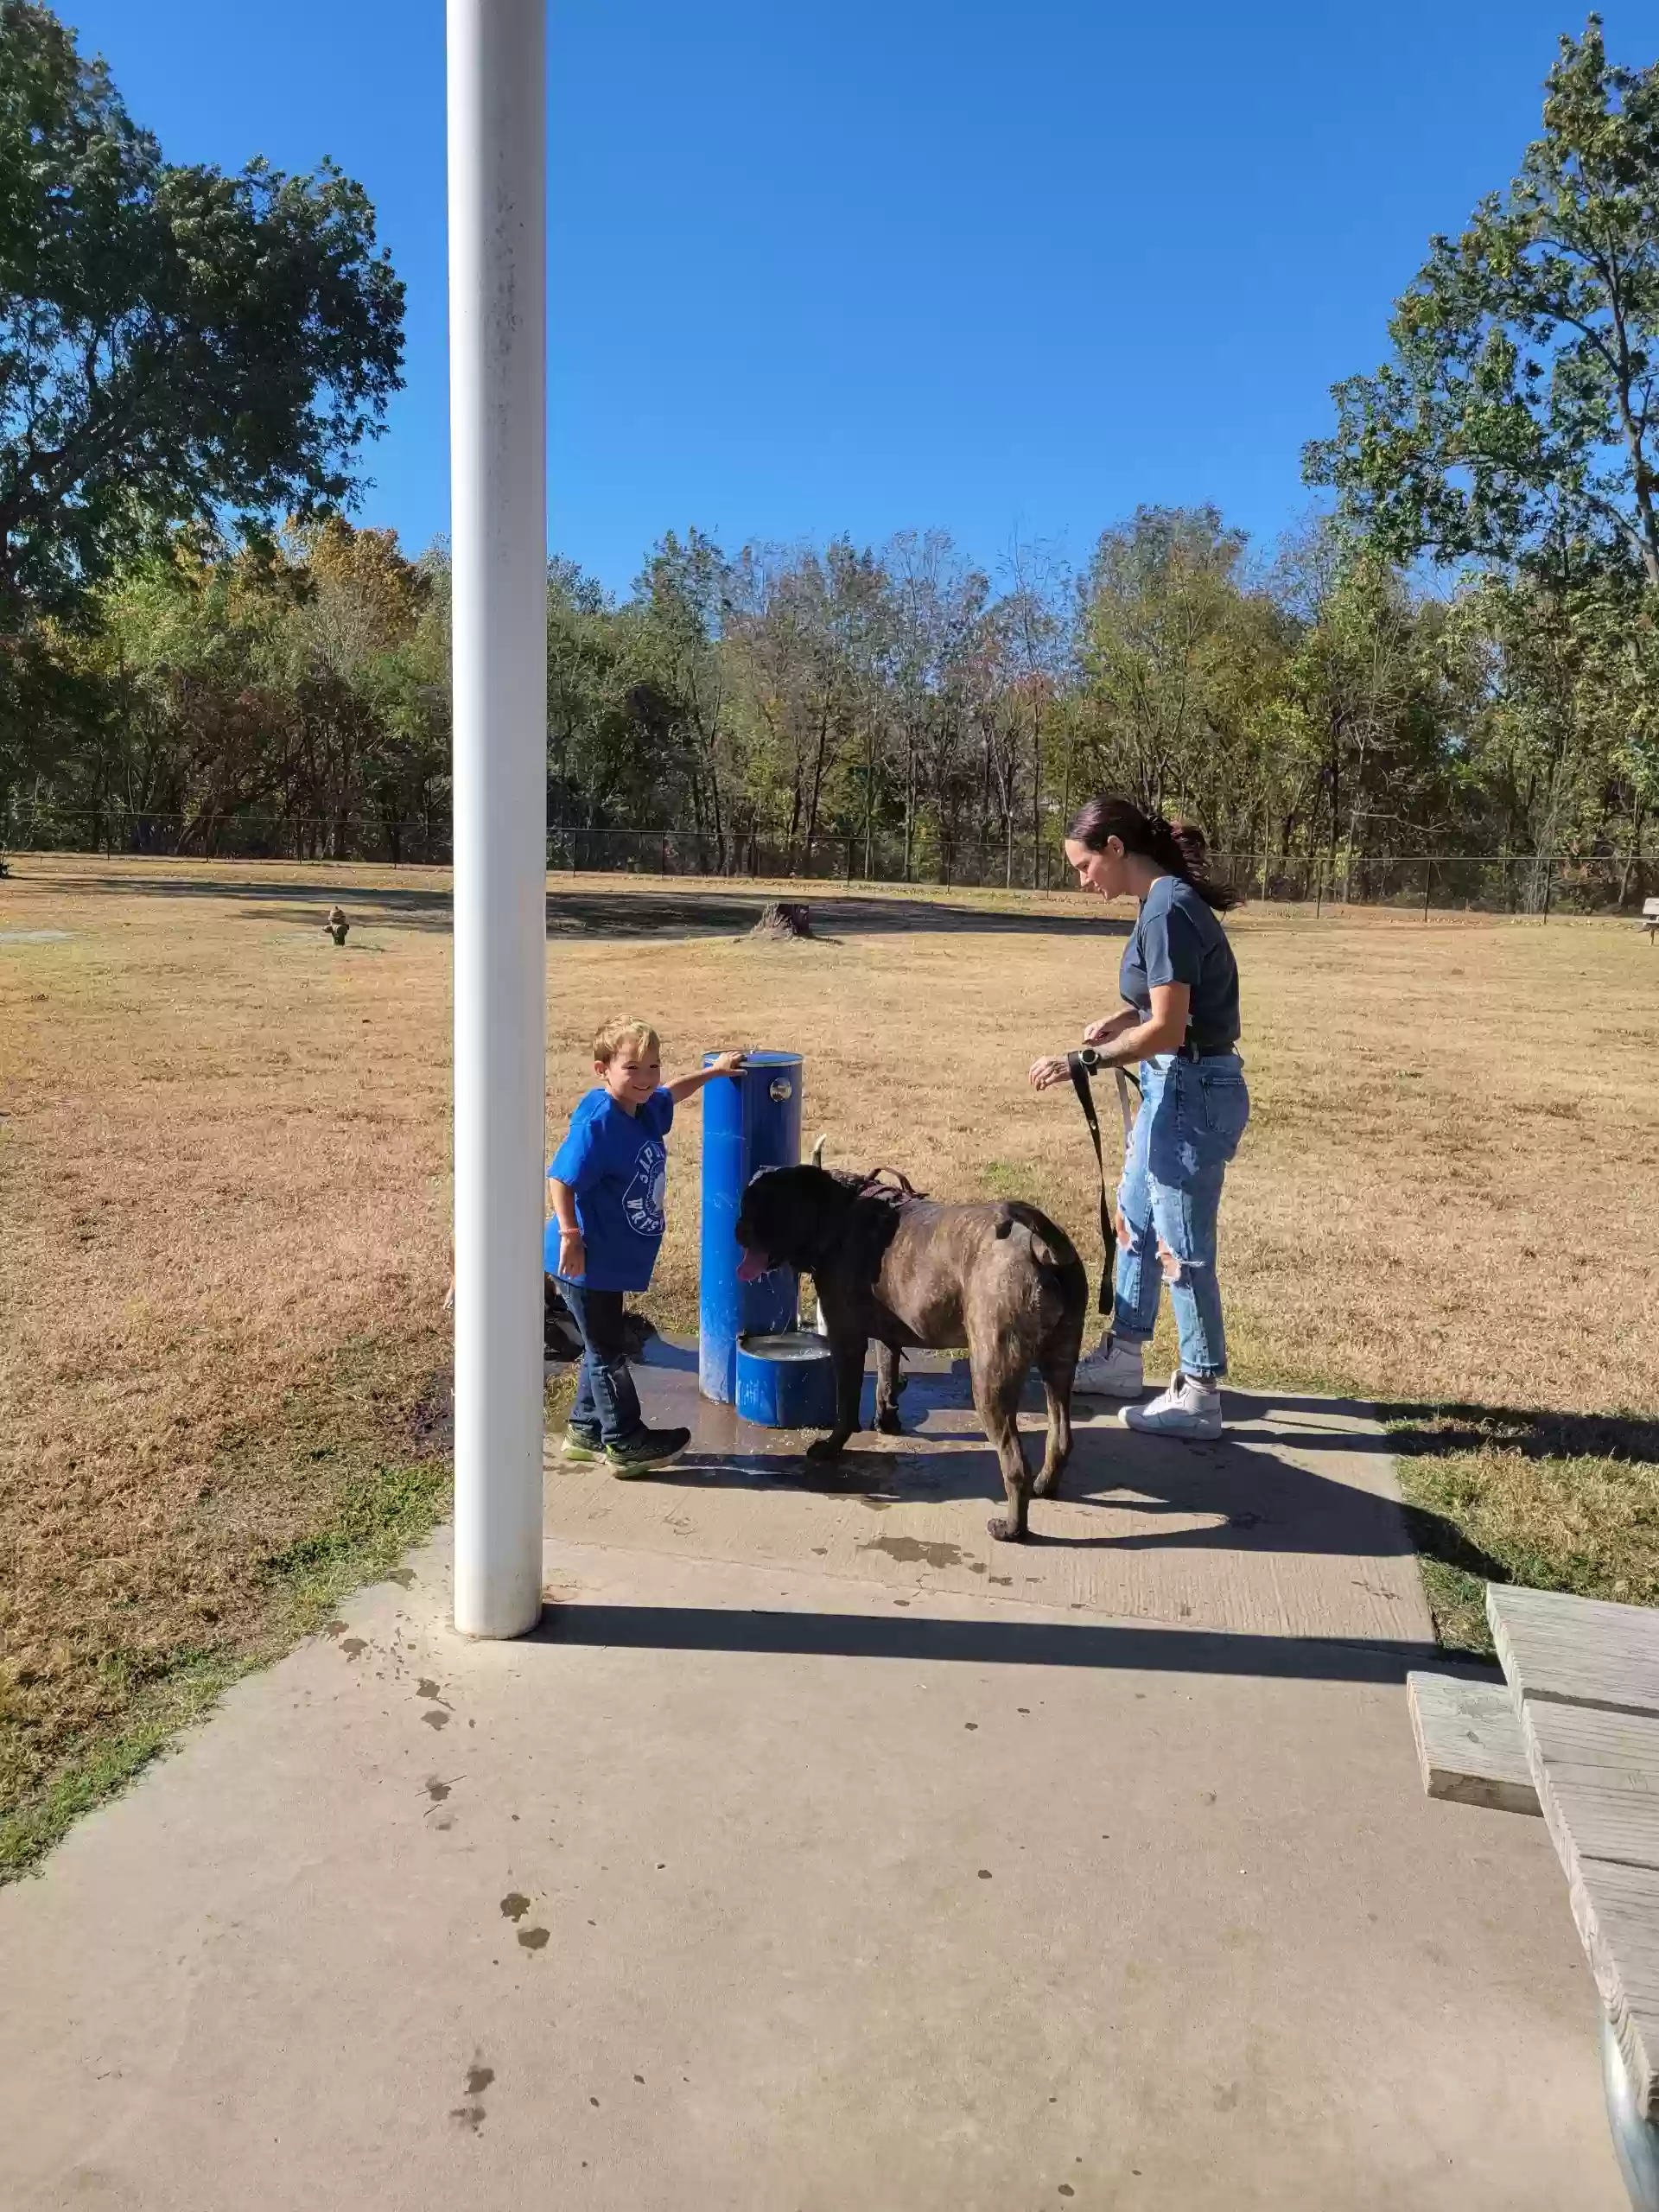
1178, 940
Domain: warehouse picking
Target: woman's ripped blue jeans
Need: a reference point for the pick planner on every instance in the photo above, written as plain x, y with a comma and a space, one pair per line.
1192, 1114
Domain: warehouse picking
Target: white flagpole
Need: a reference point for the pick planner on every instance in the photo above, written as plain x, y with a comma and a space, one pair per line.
497, 403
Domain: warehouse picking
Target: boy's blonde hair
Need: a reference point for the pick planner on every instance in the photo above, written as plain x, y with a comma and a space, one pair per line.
623, 1029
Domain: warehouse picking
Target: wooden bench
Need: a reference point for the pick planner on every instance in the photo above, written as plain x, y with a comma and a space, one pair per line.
1469, 1743
1650, 916
1573, 1733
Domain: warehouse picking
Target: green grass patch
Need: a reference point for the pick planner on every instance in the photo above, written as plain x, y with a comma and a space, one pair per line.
102, 1763
1552, 1501
378, 1516
353, 1472
1008, 1179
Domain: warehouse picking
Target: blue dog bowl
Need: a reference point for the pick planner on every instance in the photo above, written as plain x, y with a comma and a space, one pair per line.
786, 1381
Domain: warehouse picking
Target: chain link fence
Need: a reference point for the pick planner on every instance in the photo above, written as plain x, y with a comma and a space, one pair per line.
412, 841
1515, 883
1521, 883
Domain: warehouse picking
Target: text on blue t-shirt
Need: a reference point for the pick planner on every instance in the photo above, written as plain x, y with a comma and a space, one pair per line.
617, 1165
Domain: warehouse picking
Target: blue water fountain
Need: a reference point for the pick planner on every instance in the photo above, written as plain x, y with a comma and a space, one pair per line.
750, 1353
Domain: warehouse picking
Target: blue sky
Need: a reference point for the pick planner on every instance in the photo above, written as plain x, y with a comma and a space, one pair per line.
894, 264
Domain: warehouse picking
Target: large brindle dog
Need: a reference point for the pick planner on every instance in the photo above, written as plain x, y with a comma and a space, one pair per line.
997, 1277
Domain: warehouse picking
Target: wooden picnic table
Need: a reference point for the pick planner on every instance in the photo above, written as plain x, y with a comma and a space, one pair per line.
1572, 1733
1583, 1679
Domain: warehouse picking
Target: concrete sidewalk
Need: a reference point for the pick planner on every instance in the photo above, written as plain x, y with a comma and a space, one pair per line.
801, 1863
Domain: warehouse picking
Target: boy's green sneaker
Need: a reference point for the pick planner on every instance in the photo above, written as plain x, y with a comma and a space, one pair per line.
578, 1447
646, 1448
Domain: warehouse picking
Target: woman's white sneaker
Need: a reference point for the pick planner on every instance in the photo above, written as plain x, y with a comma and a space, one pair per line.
1187, 1409
1111, 1370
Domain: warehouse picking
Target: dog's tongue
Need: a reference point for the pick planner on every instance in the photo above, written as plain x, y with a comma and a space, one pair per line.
752, 1266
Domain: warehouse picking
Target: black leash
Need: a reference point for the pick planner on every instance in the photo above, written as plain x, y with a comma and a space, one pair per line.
1081, 1065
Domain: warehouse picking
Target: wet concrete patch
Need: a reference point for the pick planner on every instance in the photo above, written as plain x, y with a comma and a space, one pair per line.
912, 1551
1240, 1538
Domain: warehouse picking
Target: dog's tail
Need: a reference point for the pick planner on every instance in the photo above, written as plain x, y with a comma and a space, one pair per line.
1054, 1252
1049, 1243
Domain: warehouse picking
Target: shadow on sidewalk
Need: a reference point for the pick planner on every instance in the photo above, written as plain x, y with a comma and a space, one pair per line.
1241, 1492
1247, 1500
1014, 1643
1426, 1429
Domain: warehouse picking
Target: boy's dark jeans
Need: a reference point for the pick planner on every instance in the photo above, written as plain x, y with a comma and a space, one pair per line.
607, 1410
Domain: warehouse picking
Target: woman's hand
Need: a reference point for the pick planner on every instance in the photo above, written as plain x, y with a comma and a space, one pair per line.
573, 1254
1102, 1032
1045, 1073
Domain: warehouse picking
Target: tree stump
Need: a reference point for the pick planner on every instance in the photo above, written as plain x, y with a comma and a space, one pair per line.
782, 918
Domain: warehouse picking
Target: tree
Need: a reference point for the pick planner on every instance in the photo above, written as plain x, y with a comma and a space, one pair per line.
186, 652
1032, 619
799, 640
175, 344
1624, 664
357, 610
1520, 400
676, 622
291, 697
1166, 653
1357, 716
934, 634
1564, 742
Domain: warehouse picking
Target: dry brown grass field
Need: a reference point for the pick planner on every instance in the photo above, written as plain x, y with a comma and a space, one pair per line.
223, 1244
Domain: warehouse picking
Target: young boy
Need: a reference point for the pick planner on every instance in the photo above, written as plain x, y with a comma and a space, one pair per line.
606, 1182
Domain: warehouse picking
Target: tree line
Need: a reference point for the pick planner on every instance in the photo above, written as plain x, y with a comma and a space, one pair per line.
885, 711
1454, 653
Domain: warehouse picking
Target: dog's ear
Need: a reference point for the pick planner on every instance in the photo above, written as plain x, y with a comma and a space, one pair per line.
754, 1191
768, 1205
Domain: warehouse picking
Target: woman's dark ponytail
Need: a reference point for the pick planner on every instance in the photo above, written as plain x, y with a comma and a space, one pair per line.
1181, 847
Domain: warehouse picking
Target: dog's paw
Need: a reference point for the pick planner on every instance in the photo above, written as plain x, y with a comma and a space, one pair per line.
1004, 1530
824, 1448
887, 1421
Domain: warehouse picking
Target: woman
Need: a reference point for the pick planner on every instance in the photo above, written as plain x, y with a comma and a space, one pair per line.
1180, 983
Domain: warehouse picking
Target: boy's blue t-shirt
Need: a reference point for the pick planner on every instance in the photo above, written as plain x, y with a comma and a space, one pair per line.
1178, 940
617, 1165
